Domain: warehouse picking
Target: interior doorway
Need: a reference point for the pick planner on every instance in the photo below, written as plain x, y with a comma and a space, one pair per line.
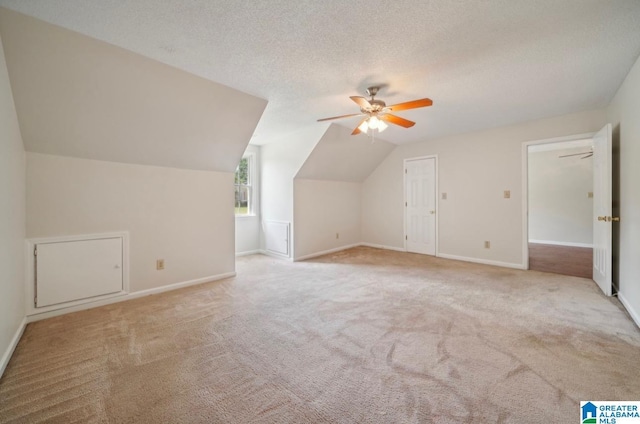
560, 207
601, 209
420, 187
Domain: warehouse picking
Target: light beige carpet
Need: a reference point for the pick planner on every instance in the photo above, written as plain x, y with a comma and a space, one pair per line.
364, 335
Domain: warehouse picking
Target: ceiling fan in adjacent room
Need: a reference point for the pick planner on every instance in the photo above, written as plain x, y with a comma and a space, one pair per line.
586, 154
377, 114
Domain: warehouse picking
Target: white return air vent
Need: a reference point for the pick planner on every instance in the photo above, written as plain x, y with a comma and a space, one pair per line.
277, 237
68, 271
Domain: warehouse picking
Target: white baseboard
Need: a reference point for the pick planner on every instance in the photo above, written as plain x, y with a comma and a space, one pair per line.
43, 315
275, 255
249, 252
382, 246
481, 261
454, 257
634, 314
326, 252
12, 346
561, 243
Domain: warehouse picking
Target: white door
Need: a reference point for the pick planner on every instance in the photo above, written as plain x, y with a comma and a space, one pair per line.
602, 209
420, 205
73, 270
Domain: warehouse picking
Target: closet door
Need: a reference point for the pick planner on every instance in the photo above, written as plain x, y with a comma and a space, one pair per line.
81, 269
420, 206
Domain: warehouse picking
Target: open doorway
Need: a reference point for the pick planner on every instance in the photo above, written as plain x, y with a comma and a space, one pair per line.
560, 207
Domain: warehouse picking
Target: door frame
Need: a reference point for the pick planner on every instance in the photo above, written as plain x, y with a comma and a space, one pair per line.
525, 186
404, 198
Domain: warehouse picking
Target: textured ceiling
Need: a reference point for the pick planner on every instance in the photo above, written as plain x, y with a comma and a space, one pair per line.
484, 63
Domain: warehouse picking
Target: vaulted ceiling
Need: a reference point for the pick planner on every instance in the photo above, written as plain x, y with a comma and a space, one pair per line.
484, 63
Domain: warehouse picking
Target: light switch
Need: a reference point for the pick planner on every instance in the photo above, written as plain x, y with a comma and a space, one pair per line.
444, 196
590, 195
507, 194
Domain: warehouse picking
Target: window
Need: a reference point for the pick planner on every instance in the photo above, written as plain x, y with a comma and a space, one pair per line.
244, 186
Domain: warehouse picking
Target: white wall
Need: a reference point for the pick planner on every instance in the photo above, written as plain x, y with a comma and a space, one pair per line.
12, 218
248, 227
322, 209
560, 209
624, 114
182, 216
474, 170
328, 190
280, 161
247, 234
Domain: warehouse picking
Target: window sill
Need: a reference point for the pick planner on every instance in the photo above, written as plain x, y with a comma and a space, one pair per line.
246, 216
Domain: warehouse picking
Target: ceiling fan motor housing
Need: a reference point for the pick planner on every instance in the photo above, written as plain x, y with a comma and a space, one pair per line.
372, 91
376, 106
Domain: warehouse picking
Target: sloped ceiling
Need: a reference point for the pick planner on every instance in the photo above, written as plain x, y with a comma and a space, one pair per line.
484, 63
80, 97
339, 156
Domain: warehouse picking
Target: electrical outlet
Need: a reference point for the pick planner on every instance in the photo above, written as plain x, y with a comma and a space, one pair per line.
337, 235
507, 194
444, 196
487, 244
160, 264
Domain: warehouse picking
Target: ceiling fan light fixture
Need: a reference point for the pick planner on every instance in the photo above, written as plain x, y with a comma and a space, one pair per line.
372, 123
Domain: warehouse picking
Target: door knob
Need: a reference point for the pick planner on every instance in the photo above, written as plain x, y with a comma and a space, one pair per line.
609, 218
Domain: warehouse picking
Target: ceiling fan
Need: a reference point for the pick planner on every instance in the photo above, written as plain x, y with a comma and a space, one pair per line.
376, 112
587, 154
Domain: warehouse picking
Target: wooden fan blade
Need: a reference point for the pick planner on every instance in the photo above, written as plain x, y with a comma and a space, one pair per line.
340, 117
411, 105
361, 101
357, 130
397, 120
